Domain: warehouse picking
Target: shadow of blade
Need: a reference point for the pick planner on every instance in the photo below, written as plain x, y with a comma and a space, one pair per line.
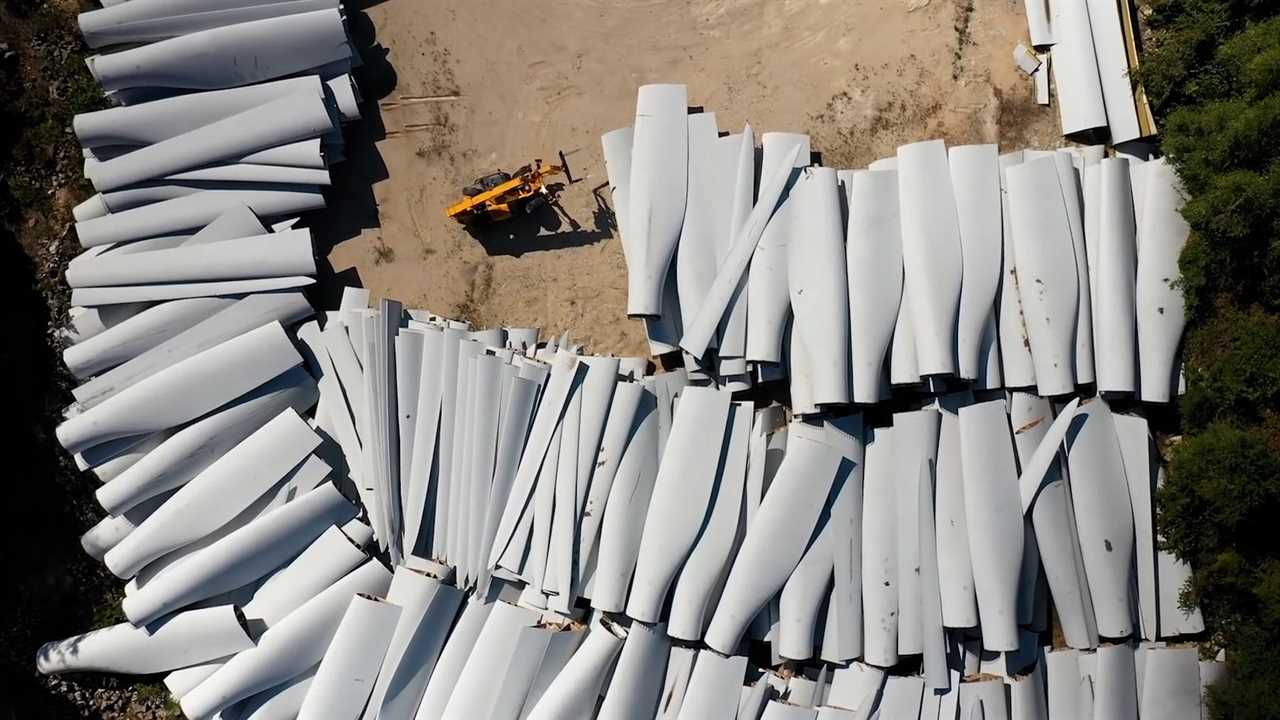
52, 589
351, 207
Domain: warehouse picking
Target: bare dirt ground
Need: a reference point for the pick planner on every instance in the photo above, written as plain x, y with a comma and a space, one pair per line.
485, 85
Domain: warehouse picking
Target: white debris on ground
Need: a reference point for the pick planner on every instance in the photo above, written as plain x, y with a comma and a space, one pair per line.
1026, 60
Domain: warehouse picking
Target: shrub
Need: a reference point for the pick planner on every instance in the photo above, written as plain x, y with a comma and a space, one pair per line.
1213, 519
1218, 510
1233, 368
1220, 132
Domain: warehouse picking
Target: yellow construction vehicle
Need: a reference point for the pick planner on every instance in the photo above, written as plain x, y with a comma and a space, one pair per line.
499, 195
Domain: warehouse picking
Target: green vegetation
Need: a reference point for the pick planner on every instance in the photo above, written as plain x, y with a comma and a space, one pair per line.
1212, 72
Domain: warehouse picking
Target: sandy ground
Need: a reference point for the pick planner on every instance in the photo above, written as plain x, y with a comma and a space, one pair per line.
485, 85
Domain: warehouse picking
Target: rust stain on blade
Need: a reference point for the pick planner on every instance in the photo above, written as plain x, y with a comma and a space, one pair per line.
1028, 426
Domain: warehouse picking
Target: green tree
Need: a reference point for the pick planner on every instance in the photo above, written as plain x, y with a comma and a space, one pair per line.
1212, 71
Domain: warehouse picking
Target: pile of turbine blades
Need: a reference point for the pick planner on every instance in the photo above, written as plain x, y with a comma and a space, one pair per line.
1090, 47
380, 512
937, 267
218, 105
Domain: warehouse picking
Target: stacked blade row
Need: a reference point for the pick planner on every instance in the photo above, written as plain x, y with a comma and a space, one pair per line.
218, 105
937, 268
1091, 49
379, 512
591, 517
